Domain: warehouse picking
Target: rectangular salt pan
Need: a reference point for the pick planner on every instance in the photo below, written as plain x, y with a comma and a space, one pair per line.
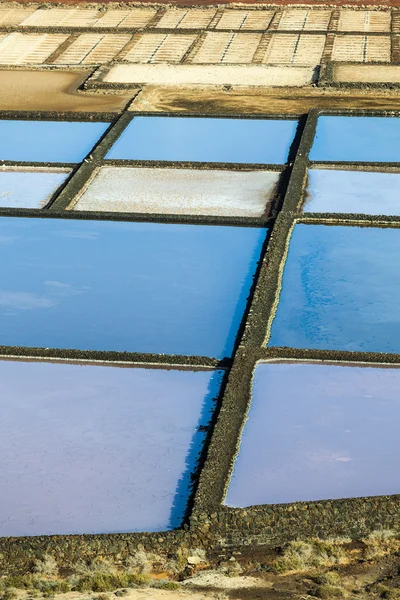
346, 191
48, 141
180, 191
206, 140
95, 449
29, 188
340, 290
357, 139
309, 431
138, 287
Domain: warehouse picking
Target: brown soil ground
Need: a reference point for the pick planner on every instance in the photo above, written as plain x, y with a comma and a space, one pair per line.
260, 101
24, 90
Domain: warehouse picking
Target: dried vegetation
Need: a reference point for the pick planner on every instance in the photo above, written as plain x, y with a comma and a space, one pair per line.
333, 568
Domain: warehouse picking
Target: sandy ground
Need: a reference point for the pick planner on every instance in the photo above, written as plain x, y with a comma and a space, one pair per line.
148, 594
205, 586
23, 90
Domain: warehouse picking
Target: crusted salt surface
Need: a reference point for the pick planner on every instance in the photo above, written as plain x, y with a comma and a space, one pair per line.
245, 75
362, 73
180, 191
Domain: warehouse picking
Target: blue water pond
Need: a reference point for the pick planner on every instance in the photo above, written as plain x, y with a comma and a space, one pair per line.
340, 290
99, 449
353, 139
48, 141
309, 431
206, 140
145, 287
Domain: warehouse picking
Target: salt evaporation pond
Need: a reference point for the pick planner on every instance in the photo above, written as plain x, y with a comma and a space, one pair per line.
348, 191
96, 449
29, 188
356, 139
48, 141
309, 434
340, 290
139, 287
180, 191
265, 141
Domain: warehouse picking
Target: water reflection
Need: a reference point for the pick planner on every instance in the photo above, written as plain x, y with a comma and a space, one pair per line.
347, 139
363, 192
23, 188
309, 431
93, 449
48, 141
340, 290
146, 287
206, 139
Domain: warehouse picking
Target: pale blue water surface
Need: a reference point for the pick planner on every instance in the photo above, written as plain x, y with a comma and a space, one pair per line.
95, 449
145, 287
309, 431
346, 191
23, 188
48, 141
352, 139
340, 290
206, 139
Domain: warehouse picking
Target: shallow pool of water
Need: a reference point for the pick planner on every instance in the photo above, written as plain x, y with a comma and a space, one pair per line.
318, 432
206, 140
353, 139
144, 287
95, 449
29, 188
340, 290
48, 141
345, 191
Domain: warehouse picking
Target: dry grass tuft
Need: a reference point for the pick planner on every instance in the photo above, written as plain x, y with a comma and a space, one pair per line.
327, 591
387, 593
380, 543
302, 556
7, 594
46, 566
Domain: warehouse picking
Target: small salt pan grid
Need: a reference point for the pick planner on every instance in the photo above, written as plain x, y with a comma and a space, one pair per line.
245, 19
275, 36
294, 49
361, 48
93, 48
158, 48
307, 19
228, 48
364, 20
175, 18
20, 49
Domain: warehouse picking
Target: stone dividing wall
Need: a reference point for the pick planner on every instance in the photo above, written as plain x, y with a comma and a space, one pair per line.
33, 35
